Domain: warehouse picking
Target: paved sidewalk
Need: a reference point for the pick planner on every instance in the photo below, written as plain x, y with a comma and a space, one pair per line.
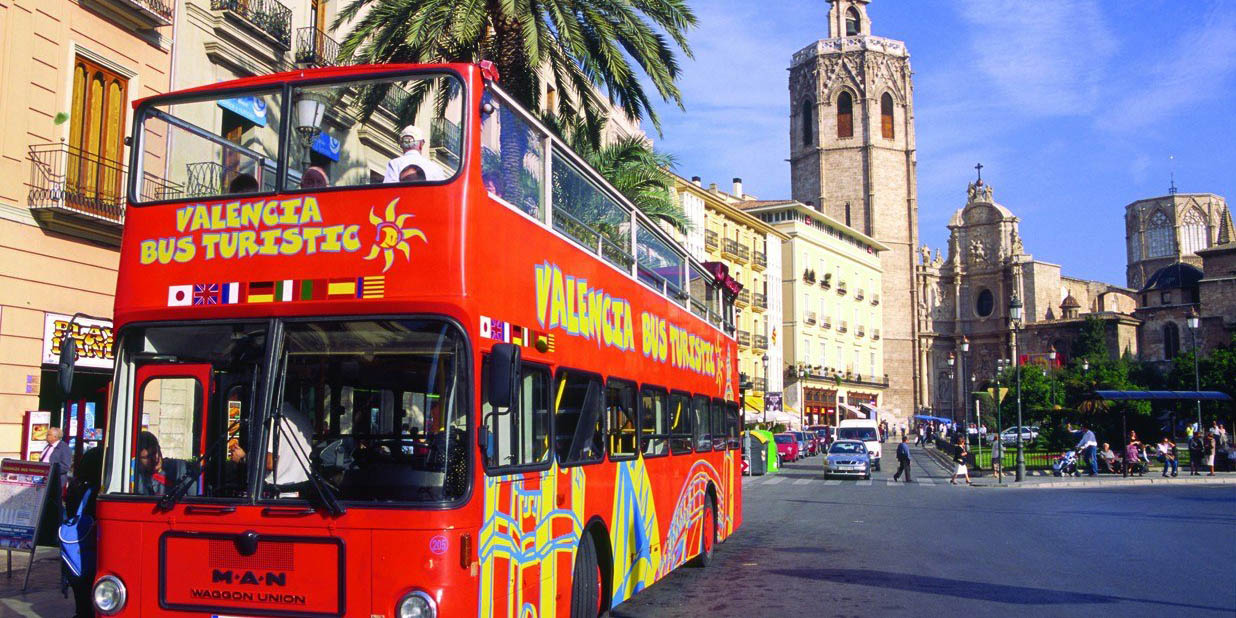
43, 597
1044, 479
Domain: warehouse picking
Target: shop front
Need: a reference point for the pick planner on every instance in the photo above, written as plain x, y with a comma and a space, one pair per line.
82, 413
820, 405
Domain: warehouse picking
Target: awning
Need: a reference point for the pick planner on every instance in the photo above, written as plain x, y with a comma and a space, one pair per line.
1163, 395
852, 410
754, 402
876, 412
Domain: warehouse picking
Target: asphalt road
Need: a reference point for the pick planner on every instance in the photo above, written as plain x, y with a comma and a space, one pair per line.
851, 548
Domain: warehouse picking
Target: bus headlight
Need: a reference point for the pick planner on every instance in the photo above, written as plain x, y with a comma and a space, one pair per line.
416, 604
109, 595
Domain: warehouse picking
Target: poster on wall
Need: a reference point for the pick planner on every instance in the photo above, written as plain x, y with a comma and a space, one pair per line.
34, 433
94, 340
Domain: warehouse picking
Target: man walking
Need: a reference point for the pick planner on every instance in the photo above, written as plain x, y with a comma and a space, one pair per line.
1087, 447
997, 459
1196, 446
903, 460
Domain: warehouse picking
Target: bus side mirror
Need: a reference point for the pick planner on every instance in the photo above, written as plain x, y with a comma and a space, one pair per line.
68, 358
504, 365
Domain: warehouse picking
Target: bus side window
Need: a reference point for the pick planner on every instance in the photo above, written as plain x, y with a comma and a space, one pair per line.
579, 425
717, 416
623, 424
654, 422
680, 423
702, 428
519, 439
733, 426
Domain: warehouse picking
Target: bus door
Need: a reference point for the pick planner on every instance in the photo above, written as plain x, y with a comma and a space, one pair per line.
170, 431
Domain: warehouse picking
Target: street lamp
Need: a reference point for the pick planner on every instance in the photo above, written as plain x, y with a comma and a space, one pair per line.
1051, 355
1193, 323
1015, 316
952, 377
765, 362
1001, 365
965, 399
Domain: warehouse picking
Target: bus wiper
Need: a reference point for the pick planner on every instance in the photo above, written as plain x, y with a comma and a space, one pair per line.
192, 471
319, 484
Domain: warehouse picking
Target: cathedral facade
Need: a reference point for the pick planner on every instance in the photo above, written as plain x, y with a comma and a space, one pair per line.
852, 158
966, 294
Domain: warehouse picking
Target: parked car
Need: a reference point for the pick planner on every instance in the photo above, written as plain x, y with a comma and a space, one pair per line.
848, 458
807, 446
787, 446
864, 430
1028, 435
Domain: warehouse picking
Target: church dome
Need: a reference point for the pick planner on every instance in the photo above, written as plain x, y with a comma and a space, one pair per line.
1178, 275
1070, 303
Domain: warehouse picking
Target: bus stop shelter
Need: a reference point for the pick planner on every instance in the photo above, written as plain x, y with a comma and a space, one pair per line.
1156, 396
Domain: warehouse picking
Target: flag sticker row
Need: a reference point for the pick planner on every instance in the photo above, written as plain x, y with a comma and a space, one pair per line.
281, 291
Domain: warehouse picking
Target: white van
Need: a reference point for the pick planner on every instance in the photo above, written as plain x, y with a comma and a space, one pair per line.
863, 429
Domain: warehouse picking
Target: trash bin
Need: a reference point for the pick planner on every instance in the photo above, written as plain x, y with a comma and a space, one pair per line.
757, 454
770, 450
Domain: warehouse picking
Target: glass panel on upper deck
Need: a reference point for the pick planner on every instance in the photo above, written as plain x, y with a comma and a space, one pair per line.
589, 215
512, 157
389, 130
217, 146
659, 265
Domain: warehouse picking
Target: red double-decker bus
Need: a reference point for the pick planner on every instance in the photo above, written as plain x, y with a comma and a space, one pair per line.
386, 347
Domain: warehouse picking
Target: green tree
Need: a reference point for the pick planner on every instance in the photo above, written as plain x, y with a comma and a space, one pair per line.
572, 45
1217, 371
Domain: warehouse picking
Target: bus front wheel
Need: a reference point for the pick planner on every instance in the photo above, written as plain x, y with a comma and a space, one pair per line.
708, 536
587, 587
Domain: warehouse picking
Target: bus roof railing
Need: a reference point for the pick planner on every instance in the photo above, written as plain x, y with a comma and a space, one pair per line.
1163, 395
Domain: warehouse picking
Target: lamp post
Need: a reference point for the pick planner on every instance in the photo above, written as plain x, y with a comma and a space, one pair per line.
1015, 307
952, 379
978, 421
310, 110
1192, 321
965, 399
1001, 365
764, 359
1051, 366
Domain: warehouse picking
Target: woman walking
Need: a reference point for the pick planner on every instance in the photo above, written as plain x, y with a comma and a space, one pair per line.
1208, 451
959, 458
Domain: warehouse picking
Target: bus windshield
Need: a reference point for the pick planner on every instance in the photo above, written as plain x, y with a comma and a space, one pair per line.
387, 130
369, 410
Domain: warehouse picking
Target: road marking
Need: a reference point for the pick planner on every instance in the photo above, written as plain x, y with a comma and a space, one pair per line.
866, 483
802, 481
832, 483
892, 482
774, 480
926, 482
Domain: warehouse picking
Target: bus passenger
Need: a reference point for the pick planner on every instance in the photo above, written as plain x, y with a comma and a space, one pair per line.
412, 142
155, 475
313, 178
288, 461
243, 183
411, 173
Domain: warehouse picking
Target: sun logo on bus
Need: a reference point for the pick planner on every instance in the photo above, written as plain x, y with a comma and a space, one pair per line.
391, 235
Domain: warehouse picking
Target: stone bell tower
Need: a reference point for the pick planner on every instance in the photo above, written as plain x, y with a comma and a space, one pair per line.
852, 156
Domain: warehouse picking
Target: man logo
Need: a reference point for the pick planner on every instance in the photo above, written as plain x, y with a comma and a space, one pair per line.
249, 578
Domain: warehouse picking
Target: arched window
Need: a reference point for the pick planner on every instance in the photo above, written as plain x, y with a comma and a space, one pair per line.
1193, 233
851, 22
807, 122
886, 116
845, 115
1171, 341
1159, 236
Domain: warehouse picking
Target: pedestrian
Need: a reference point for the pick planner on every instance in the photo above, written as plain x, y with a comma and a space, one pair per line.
959, 458
997, 460
1087, 447
903, 460
1167, 455
78, 559
918, 435
1197, 444
1208, 451
1132, 457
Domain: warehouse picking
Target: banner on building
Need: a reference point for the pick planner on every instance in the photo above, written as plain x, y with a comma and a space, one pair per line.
94, 340
772, 402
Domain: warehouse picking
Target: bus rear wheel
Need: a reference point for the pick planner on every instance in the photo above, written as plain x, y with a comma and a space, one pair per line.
587, 586
708, 536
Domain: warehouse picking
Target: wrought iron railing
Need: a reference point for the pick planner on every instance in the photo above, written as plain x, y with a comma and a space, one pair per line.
744, 338
710, 239
761, 301
744, 297
810, 317
445, 137
761, 342
314, 47
269, 16
63, 176
759, 385
759, 260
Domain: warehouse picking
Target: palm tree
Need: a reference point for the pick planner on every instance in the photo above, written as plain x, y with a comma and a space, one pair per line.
574, 44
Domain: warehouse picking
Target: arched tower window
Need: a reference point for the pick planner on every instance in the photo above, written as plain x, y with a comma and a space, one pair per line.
1193, 236
1171, 341
845, 115
886, 116
808, 123
852, 22
1159, 237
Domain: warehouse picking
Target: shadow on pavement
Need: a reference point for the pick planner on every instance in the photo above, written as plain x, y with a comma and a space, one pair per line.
983, 591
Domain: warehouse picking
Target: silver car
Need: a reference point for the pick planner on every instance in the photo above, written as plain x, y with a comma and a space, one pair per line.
848, 458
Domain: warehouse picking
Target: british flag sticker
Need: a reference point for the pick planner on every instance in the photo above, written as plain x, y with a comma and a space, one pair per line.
495, 329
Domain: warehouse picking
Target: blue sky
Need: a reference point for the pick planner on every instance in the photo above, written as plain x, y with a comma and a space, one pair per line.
1074, 108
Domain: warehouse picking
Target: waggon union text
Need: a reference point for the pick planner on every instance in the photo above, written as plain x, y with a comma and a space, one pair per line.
281, 598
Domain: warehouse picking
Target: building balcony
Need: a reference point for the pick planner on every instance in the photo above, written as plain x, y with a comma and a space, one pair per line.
810, 317
875, 299
744, 339
759, 385
743, 299
268, 16
140, 14
859, 295
843, 327
860, 332
826, 322
759, 260
809, 276
875, 334
760, 342
761, 302
735, 251
826, 282
841, 289
314, 48
710, 240
444, 136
